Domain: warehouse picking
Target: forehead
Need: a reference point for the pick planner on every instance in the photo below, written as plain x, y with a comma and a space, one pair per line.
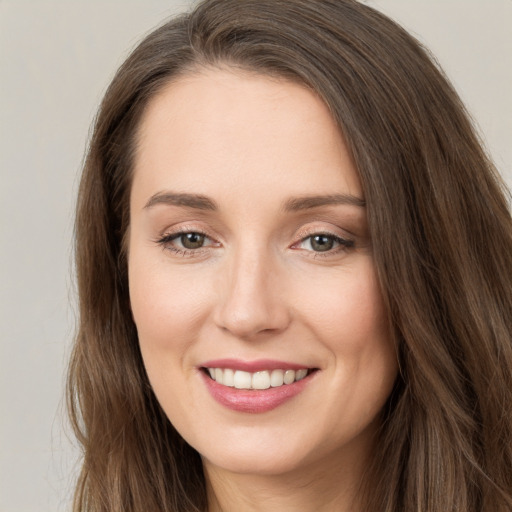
224, 128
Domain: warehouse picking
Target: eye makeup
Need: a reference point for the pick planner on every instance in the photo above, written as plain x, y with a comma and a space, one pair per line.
190, 242
186, 242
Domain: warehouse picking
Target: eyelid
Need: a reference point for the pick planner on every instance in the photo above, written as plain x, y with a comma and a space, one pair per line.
306, 232
344, 243
180, 229
167, 237
170, 234
177, 235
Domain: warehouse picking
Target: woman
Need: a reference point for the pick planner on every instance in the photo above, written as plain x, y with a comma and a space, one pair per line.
294, 264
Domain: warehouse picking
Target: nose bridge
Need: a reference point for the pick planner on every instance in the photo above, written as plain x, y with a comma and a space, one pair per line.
250, 298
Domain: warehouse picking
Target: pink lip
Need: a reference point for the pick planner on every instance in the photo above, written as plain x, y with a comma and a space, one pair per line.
253, 400
252, 366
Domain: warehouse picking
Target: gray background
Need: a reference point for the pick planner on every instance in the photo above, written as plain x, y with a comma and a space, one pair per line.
56, 59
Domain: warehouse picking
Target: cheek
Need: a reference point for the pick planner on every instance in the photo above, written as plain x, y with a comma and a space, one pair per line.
348, 316
165, 303
346, 309
363, 338
168, 308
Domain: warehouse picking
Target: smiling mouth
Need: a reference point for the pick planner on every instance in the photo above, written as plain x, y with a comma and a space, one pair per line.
260, 380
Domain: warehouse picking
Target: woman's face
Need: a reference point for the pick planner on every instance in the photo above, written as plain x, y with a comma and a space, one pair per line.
250, 260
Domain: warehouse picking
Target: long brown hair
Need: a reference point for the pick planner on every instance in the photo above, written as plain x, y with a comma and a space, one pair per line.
442, 242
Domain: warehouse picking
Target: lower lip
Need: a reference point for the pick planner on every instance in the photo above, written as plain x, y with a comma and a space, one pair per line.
254, 400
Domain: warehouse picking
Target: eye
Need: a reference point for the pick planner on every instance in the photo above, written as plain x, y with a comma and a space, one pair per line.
185, 242
191, 240
321, 243
324, 242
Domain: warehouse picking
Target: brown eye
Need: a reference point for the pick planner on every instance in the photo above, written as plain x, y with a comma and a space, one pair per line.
321, 243
192, 240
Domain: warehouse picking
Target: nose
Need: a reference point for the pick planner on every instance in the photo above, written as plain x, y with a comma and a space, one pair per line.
252, 297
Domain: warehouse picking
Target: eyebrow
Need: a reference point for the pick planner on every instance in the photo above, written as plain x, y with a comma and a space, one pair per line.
196, 201
201, 202
309, 202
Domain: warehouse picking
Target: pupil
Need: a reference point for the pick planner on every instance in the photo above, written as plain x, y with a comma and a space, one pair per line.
192, 240
322, 243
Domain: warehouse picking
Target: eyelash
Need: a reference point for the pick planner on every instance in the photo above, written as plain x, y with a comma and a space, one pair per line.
344, 244
166, 242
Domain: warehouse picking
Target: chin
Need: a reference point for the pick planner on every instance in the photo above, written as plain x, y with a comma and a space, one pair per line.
263, 454
261, 451
262, 463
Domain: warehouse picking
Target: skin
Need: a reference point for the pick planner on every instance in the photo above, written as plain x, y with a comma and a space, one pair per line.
258, 287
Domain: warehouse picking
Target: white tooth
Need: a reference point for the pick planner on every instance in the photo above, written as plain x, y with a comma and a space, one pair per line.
289, 376
261, 380
218, 375
211, 371
276, 378
300, 374
242, 380
228, 377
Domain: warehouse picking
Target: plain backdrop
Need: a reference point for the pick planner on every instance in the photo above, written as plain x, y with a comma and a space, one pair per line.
56, 59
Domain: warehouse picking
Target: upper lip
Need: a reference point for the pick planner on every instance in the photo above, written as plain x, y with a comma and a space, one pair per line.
253, 366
